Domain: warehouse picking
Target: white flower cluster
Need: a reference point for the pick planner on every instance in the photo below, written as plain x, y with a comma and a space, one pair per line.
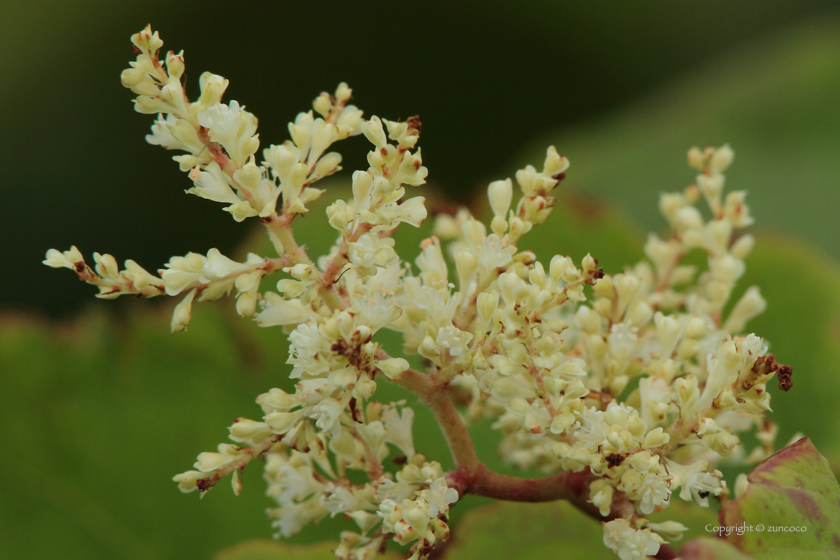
412, 504
637, 380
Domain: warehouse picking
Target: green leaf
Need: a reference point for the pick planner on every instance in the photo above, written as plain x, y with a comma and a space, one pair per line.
527, 531
261, 549
709, 548
271, 550
794, 488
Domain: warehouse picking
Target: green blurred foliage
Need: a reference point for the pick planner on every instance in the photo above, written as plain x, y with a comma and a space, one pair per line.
775, 102
270, 550
485, 77
517, 531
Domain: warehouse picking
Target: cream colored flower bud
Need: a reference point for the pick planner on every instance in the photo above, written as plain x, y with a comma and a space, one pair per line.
208, 461
743, 247
727, 268
558, 267
572, 275
721, 159
670, 530
276, 399
466, 264
536, 276
245, 430
688, 217
282, 422
509, 286
500, 194
413, 211
687, 395
627, 286
719, 233
374, 132
188, 481
617, 384
417, 517
474, 231
588, 264
343, 93
150, 106
219, 266
175, 64
323, 135
290, 288
588, 320
667, 329
527, 179
696, 328
68, 259
670, 204
562, 422
711, 186
695, 158
361, 187
212, 88
428, 348
741, 484
487, 303
278, 311
322, 104
139, 83
498, 225
518, 227
328, 164
106, 266
246, 304
508, 388
300, 271
635, 425
446, 227
364, 389
132, 77
639, 314
338, 215
748, 307
392, 367
655, 438
736, 209
183, 313
147, 40
554, 163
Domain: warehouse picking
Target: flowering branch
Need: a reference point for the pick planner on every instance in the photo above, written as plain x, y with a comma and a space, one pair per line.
625, 388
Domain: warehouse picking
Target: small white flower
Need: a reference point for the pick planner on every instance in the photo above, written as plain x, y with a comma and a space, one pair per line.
455, 339
629, 543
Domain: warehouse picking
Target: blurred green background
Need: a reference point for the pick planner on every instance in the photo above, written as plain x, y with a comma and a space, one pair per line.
614, 84
100, 412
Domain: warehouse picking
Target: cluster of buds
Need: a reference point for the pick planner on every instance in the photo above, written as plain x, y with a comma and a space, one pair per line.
636, 382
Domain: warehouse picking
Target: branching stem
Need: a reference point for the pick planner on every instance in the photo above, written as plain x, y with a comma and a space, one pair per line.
473, 477
245, 457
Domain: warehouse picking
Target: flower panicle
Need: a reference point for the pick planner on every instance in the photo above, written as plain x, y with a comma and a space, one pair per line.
638, 382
